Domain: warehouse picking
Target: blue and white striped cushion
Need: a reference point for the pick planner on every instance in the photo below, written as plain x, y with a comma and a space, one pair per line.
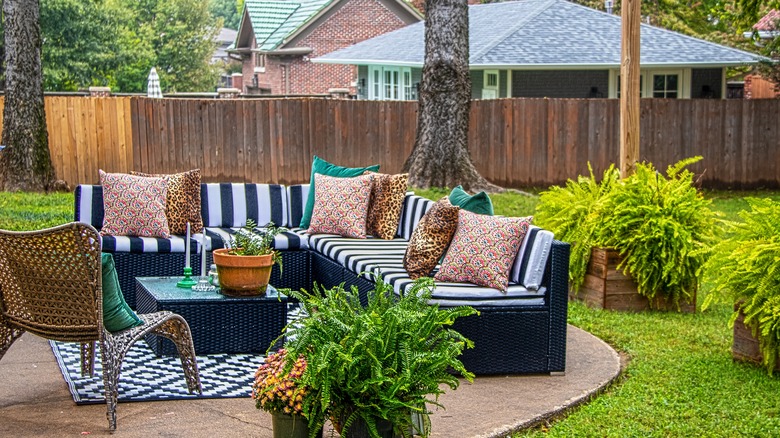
297, 195
174, 244
216, 237
88, 206
528, 268
385, 257
231, 204
414, 208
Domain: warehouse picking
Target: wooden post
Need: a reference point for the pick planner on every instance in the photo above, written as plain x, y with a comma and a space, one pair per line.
629, 87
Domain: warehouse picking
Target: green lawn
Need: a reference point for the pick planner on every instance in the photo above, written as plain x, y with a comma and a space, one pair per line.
680, 379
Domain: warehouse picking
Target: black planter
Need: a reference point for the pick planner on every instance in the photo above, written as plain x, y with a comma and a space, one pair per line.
359, 429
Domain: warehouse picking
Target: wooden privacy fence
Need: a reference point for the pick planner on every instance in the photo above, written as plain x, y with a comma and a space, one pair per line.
513, 142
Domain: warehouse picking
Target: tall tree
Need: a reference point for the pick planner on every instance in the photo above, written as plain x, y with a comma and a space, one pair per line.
440, 157
228, 11
25, 164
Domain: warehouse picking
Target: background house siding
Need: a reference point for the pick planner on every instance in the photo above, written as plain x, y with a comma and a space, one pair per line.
355, 21
706, 83
559, 84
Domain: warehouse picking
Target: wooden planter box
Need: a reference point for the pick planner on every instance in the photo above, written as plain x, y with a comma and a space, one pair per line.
607, 288
745, 347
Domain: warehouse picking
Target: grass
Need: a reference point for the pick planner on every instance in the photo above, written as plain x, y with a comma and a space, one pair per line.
680, 379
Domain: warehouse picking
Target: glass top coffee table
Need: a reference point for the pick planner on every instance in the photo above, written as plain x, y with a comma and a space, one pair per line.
219, 323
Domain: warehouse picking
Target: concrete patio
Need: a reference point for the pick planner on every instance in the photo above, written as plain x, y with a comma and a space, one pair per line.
34, 400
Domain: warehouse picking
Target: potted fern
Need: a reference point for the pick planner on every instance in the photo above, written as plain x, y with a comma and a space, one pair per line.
244, 267
744, 270
370, 368
642, 239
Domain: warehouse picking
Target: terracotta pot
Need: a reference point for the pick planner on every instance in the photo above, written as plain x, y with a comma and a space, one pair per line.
241, 275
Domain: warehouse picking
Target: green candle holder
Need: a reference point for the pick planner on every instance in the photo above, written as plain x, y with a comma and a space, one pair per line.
187, 282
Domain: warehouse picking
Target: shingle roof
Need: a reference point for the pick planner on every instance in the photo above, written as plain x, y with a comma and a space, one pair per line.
273, 21
769, 21
542, 34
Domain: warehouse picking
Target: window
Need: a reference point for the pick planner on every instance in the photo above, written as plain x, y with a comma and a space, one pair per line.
490, 84
259, 62
666, 86
390, 83
641, 86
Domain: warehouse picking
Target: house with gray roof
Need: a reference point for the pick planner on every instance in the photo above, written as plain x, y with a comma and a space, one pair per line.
277, 39
546, 48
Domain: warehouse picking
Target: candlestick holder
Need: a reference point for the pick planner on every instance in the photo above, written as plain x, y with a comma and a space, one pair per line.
187, 282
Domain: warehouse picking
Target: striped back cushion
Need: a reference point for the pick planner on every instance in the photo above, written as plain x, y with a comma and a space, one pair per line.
414, 208
88, 206
231, 204
297, 195
528, 268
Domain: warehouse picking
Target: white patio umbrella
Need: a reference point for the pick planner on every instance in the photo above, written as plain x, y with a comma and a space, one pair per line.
153, 86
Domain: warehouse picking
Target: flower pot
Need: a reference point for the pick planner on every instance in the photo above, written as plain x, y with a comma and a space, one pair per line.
243, 275
359, 429
605, 287
745, 346
291, 426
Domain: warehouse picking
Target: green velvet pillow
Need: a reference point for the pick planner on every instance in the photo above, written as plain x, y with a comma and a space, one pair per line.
479, 203
324, 168
117, 315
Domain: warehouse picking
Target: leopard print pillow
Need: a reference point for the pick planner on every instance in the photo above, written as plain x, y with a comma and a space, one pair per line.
430, 239
183, 201
384, 207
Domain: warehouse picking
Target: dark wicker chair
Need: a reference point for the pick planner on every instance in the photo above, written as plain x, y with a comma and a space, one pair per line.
51, 286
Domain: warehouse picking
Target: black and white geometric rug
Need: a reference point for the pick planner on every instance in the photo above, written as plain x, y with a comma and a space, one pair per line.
146, 377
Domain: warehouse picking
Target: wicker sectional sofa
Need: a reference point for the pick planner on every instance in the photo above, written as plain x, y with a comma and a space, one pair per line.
520, 331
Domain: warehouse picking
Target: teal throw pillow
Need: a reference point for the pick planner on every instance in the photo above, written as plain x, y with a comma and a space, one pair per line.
324, 168
117, 315
479, 203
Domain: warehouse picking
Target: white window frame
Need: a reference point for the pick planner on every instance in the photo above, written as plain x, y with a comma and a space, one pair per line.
646, 82
490, 91
390, 83
259, 62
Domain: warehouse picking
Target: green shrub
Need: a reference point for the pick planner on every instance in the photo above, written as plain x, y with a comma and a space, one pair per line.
661, 226
382, 361
572, 213
745, 269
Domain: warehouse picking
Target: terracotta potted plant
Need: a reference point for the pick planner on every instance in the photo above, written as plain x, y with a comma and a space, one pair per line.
277, 390
244, 267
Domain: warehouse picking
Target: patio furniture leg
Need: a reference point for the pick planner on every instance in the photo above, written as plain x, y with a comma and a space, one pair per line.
177, 330
88, 359
7, 337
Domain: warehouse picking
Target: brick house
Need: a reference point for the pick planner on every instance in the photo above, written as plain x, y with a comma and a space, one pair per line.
277, 39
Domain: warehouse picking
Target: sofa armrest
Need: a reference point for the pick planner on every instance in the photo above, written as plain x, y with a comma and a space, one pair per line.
558, 278
88, 205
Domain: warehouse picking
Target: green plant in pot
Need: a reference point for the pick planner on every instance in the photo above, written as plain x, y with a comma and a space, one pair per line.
244, 267
370, 368
277, 389
744, 270
661, 225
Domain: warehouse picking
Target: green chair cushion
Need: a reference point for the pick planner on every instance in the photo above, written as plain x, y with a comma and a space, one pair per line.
479, 203
324, 168
117, 315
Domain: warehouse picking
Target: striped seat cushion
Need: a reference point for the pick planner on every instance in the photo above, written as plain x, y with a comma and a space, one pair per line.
297, 194
148, 244
414, 208
216, 237
366, 257
227, 205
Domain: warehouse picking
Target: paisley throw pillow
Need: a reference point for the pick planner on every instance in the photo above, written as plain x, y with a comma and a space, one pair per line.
430, 239
483, 249
341, 206
134, 205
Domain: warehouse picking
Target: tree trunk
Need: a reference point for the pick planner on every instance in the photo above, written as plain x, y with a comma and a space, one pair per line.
440, 157
25, 163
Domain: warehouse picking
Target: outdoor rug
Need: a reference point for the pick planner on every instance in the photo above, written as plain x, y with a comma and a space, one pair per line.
146, 377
